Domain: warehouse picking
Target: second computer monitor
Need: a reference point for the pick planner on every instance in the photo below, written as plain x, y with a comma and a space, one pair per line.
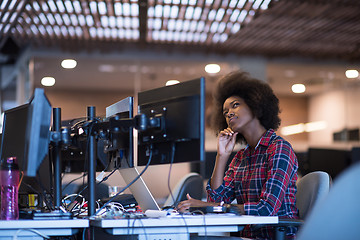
26, 133
123, 140
181, 109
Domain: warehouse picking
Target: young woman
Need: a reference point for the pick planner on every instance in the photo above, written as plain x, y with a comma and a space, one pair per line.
262, 176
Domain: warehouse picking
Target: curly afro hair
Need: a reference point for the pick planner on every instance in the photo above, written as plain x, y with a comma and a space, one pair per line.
257, 94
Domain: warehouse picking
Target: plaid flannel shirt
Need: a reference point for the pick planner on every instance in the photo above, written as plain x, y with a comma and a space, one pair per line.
264, 181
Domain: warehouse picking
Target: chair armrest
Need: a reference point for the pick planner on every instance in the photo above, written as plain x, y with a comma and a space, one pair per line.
284, 223
289, 222
280, 228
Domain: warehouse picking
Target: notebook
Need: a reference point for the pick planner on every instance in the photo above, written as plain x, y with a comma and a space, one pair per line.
139, 189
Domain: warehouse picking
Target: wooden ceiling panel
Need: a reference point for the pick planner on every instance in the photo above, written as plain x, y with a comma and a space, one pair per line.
319, 29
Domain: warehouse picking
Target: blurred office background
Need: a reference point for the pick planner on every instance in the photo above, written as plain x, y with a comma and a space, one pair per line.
122, 47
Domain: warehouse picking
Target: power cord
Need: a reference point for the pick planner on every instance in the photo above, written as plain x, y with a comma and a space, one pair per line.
143, 227
127, 186
169, 174
204, 220
173, 149
68, 184
15, 237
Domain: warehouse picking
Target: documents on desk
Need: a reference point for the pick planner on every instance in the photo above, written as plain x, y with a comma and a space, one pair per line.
159, 213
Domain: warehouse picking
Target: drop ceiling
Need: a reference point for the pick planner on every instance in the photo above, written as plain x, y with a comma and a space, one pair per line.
325, 32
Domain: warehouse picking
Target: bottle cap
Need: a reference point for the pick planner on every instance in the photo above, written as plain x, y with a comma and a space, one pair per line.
10, 163
11, 160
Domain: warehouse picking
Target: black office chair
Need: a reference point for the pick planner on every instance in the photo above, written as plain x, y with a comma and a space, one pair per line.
191, 183
101, 191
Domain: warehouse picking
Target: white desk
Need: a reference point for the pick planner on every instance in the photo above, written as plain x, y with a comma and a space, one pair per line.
23, 228
177, 227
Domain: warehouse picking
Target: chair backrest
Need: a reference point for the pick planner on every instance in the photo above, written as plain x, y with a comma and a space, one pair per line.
337, 215
310, 188
191, 183
102, 191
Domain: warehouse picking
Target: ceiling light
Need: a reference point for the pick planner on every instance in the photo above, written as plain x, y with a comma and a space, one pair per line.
293, 129
68, 63
351, 73
212, 68
303, 127
298, 88
315, 126
172, 82
289, 73
265, 4
106, 68
48, 81
177, 70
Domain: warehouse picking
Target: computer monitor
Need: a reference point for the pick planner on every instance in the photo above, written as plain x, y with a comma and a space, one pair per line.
26, 133
122, 142
73, 156
114, 150
180, 138
332, 161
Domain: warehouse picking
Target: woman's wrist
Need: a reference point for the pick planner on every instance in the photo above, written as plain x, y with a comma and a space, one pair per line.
227, 205
223, 155
232, 208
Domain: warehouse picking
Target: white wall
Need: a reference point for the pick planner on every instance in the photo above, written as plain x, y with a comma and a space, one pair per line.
328, 107
340, 109
352, 99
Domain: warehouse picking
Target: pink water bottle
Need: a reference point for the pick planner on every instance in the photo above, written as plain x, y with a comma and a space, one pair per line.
9, 181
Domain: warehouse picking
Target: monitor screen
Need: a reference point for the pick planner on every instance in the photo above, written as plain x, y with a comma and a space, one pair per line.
26, 133
181, 135
332, 161
14, 129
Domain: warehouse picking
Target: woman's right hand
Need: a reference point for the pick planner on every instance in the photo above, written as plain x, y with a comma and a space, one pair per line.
185, 205
225, 146
226, 142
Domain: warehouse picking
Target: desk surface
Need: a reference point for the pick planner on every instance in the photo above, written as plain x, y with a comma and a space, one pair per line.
43, 224
33, 228
180, 224
189, 220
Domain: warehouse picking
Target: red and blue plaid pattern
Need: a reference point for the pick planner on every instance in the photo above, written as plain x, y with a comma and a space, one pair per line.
263, 180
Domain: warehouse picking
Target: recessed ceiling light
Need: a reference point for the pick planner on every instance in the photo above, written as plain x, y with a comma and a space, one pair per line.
351, 73
293, 129
172, 82
303, 127
177, 70
298, 88
68, 63
133, 68
289, 73
106, 68
212, 68
315, 126
145, 69
48, 81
